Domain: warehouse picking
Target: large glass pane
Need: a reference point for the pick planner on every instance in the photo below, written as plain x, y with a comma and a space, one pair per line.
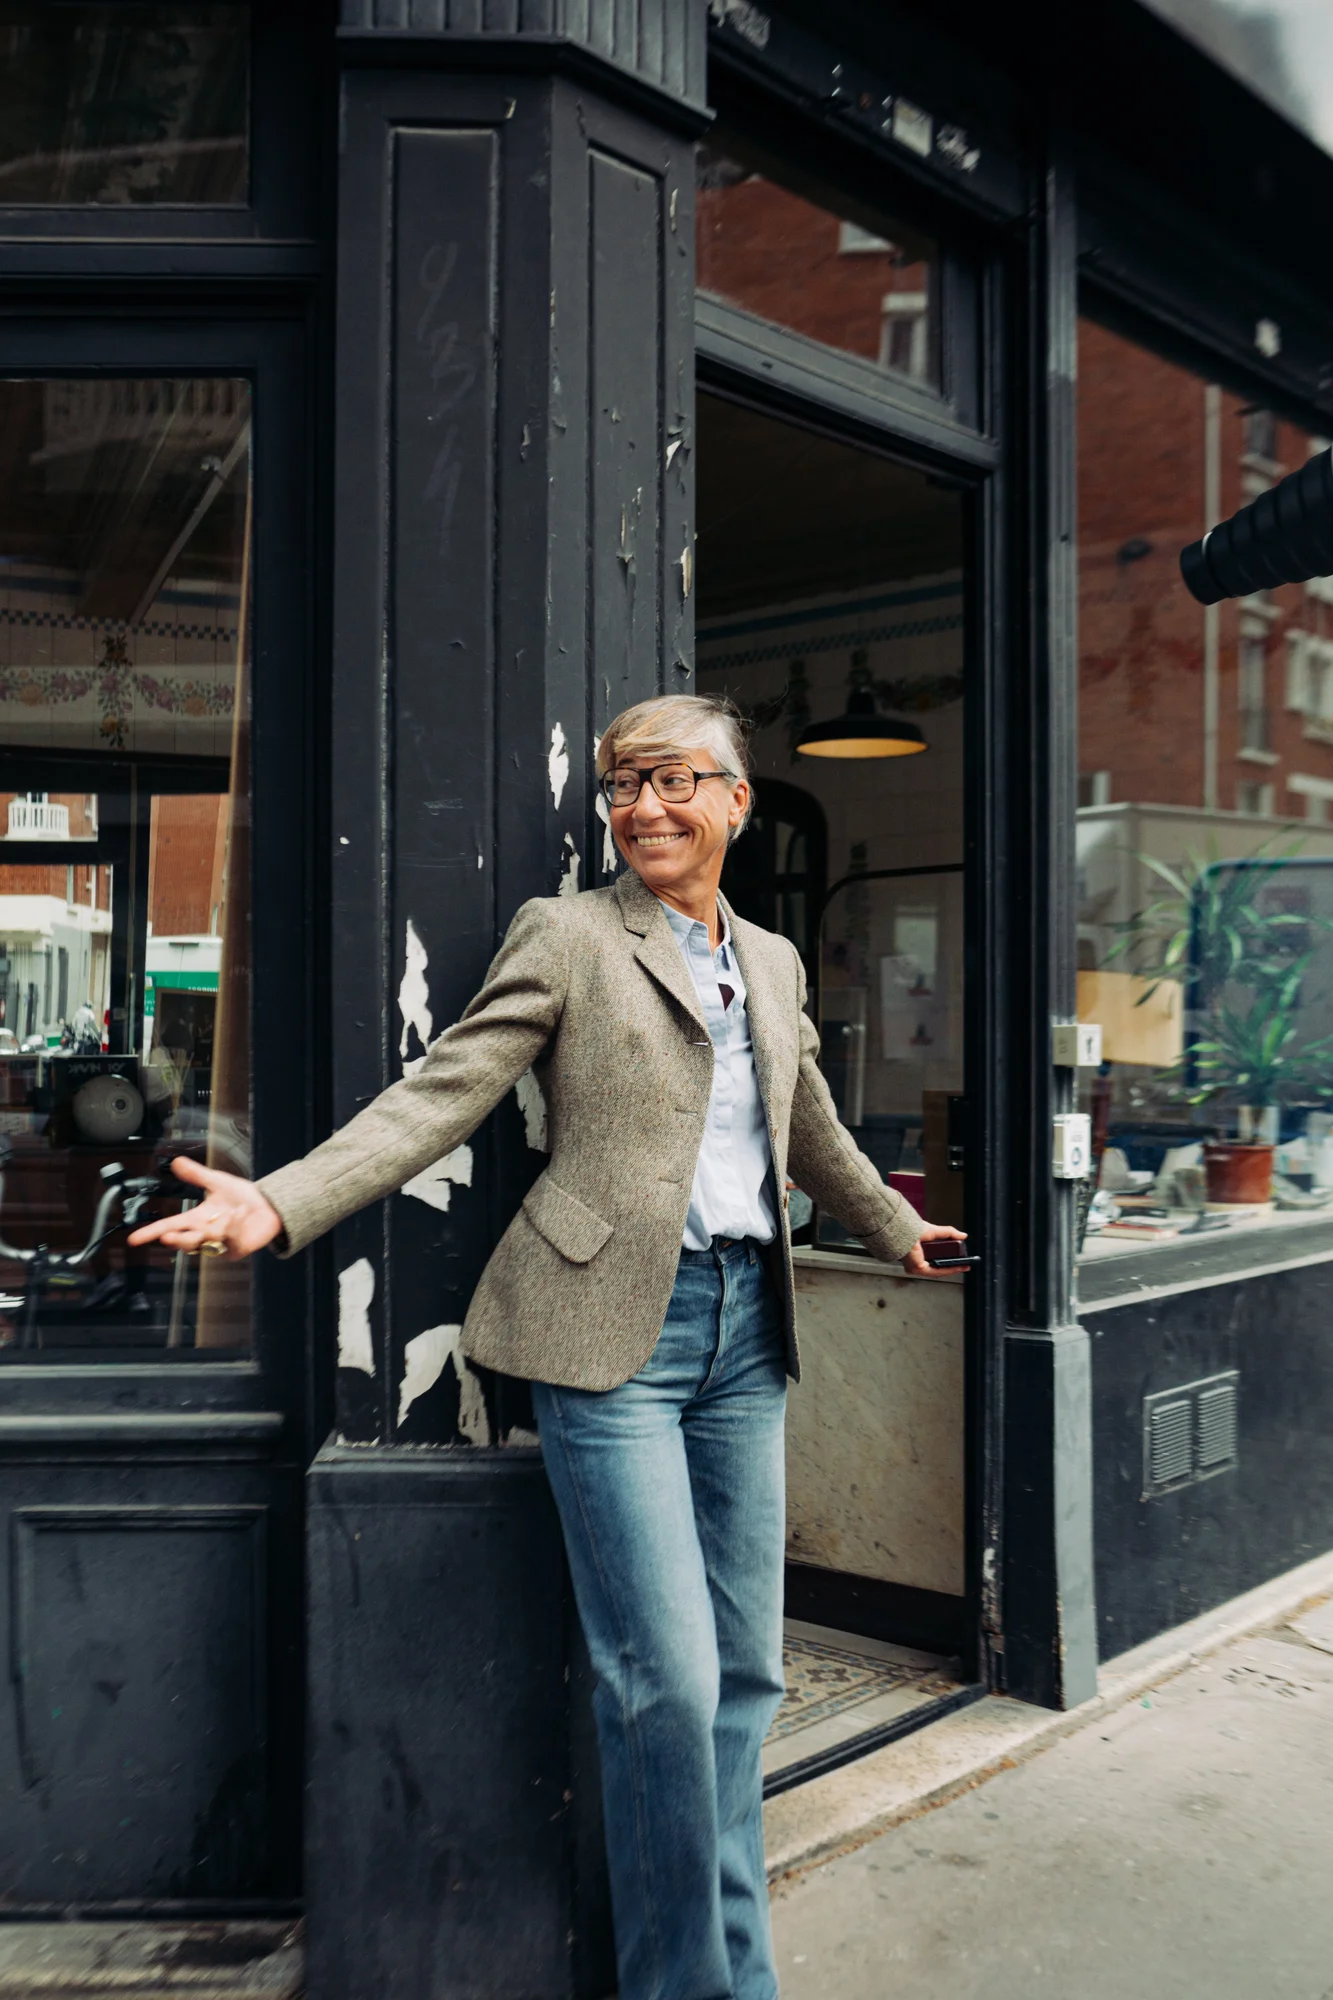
1205, 847
803, 260
121, 104
124, 850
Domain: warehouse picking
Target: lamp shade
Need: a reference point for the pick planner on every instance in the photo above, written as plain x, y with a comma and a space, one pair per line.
861, 732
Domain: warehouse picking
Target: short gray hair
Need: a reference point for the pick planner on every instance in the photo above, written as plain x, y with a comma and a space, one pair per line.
673, 723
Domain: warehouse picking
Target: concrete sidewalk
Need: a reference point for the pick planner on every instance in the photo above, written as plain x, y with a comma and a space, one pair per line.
1178, 1846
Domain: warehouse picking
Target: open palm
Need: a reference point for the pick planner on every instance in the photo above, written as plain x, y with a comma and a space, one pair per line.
231, 1211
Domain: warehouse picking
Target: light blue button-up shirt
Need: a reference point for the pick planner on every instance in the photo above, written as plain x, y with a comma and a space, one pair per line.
734, 1189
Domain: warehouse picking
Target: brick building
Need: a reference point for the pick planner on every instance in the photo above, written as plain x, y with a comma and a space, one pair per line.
1162, 455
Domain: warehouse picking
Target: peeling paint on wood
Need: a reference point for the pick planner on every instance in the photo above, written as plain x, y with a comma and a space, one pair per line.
610, 852
533, 1106
569, 881
557, 765
435, 1184
424, 1359
414, 1000
356, 1344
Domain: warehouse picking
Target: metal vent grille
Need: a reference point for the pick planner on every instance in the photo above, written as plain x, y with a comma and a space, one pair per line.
1217, 1426
1171, 1442
1190, 1433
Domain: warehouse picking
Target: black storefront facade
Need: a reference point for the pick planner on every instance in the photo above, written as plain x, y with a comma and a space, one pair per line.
418, 390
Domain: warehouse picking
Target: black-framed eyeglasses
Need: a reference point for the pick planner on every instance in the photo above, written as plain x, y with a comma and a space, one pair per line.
674, 783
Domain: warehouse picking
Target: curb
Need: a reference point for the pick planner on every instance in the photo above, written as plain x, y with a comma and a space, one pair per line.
832, 1815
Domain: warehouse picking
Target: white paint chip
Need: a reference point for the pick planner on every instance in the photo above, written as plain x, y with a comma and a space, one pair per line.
569, 881
610, 855
424, 1360
356, 1289
435, 1184
533, 1106
414, 1000
557, 765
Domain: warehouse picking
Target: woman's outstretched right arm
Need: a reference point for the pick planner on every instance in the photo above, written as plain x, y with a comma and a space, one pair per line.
466, 1072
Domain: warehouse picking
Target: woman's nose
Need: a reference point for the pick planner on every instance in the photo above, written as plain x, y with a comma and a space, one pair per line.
648, 806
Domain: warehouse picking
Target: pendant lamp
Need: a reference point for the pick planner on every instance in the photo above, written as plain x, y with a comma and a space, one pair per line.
861, 732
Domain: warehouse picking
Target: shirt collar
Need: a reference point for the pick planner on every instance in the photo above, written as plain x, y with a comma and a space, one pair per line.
683, 926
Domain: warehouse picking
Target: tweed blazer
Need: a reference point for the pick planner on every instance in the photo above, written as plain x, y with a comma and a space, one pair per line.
592, 990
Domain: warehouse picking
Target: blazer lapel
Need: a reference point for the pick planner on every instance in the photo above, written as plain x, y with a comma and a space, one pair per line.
657, 950
770, 1021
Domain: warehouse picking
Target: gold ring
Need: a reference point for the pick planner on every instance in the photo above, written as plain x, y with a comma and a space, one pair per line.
212, 1248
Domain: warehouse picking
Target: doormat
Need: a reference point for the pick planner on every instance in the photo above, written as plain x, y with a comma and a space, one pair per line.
823, 1680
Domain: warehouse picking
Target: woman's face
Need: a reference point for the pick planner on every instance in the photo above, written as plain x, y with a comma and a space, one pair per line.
678, 846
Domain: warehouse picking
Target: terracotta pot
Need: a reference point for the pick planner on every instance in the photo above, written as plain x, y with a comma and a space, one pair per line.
1238, 1173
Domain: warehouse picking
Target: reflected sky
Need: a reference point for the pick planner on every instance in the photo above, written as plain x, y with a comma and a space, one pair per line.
1283, 49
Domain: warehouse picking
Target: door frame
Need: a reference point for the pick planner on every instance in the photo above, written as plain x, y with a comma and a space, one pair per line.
789, 379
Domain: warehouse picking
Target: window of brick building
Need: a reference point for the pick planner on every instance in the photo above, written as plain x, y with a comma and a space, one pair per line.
1259, 435
1252, 687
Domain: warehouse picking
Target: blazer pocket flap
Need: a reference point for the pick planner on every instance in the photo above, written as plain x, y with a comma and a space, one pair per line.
567, 1225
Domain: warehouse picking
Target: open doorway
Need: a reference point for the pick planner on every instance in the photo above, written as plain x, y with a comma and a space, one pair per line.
829, 575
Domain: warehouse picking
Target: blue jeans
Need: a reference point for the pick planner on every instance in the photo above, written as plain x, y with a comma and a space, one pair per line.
671, 1495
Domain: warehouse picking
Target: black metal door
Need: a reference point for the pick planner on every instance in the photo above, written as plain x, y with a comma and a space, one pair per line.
153, 883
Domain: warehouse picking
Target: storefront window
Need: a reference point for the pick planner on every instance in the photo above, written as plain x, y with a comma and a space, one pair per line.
830, 575
124, 850
123, 104
1205, 848
866, 285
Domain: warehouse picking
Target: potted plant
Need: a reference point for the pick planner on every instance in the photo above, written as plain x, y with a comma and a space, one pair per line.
1252, 1057
1241, 962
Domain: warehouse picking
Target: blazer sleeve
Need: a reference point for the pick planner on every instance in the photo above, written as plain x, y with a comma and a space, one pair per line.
827, 1164
466, 1072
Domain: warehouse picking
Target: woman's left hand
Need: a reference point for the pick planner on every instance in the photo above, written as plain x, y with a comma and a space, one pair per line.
915, 1262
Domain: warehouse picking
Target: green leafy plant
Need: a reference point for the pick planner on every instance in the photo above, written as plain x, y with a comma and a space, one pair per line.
1252, 1053
1211, 931
1241, 963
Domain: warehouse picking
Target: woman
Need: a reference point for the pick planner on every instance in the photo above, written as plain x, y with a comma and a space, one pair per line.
645, 1289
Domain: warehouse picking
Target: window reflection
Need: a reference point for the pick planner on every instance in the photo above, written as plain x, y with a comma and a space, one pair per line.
1205, 852
123, 104
124, 850
802, 265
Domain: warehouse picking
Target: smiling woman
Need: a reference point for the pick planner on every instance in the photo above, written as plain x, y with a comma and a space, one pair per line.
645, 1288
675, 774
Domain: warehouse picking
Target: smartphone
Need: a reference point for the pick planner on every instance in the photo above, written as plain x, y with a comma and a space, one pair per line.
948, 1256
